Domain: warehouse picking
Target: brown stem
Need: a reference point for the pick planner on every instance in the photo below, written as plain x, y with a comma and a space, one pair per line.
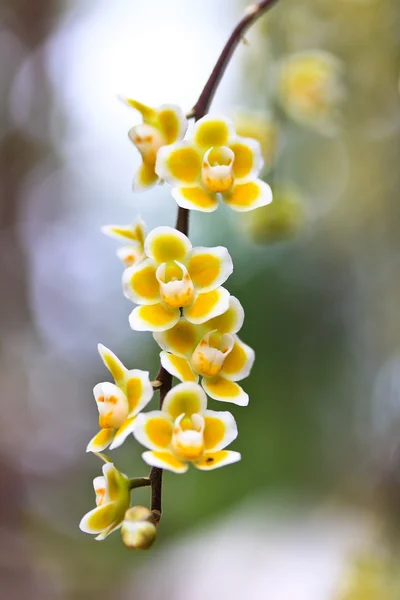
156, 473
182, 222
251, 15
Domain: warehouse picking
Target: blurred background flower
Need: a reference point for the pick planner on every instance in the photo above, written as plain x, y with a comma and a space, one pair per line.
322, 425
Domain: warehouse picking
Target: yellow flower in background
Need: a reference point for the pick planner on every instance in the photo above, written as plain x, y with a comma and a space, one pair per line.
185, 432
213, 351
119, 403
161, 126
133, 252
372, 574
256, 125
113, 499
310, 88
214, 163
281, 220
176, 276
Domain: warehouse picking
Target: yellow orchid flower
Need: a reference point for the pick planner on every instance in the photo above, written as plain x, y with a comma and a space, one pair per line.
118, 404
214, 163
175, 276
113, 499
161, 126
310, 89
212, 350
185, 432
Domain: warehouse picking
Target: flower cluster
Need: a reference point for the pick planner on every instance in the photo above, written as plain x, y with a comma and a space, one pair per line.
180, 299
212, 163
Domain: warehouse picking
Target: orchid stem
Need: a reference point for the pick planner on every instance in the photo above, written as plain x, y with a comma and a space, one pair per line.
139, 482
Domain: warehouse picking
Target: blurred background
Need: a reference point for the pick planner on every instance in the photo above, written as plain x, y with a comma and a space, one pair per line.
312, 512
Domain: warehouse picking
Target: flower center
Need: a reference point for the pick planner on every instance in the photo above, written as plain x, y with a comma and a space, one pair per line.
100, 496
211, 352
176, 286
217, 169
148, 140
113, 408
188, 437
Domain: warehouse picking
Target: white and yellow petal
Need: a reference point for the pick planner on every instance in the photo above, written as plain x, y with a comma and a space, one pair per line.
185, 398
215, 460
113, 364
248, 196
112, 405
154, 430
140, 283
101, 440
220, 430
153, 318
207, 306
145, 177
213, 131
224, 390
122, 433
127, 233
195, 198
130, 255
165, 460
179, 164
209, 268
230, 321
178, 367
181, 339
261, 127
148, 113
117, 485
99, 519
248, 160
172, 122
238, 363
165, 244
138, 390
113, 527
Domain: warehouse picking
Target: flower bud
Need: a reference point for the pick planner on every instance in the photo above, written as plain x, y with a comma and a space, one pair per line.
138, 530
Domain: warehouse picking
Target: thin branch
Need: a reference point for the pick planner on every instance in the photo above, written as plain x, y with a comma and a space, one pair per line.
182, 223
139, 482
156, 473
251, 15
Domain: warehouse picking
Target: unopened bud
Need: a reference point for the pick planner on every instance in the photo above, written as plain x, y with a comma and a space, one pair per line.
138, 530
